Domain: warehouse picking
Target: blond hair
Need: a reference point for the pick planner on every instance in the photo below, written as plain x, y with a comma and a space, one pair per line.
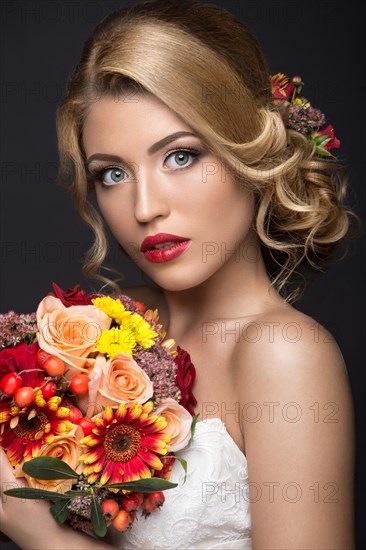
207, 66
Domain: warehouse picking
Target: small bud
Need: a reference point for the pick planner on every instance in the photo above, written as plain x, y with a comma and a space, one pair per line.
297, 80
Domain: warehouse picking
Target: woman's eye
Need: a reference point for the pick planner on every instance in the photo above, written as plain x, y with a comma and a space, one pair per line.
181, 158
109, 176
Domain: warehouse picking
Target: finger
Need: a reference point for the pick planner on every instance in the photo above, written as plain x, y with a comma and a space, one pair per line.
8, 474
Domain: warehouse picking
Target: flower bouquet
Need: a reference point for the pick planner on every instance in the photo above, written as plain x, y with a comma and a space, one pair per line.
94, 403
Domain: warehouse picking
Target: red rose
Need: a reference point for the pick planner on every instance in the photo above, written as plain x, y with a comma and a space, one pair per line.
333, 142
19, 358
185, 377
72, 296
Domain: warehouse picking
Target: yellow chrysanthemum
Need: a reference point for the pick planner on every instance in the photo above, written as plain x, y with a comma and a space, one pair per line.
139, 330
114, 341
112, 307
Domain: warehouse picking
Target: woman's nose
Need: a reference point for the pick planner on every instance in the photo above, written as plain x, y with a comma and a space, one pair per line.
151, 200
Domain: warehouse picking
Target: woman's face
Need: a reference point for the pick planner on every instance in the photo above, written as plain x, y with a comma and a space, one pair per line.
150, 180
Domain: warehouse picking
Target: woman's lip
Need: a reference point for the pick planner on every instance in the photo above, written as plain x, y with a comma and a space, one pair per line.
159, 238
166, 254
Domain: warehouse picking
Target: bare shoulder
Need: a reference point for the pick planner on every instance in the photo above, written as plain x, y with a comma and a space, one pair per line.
286, 357
287, 336
298, 427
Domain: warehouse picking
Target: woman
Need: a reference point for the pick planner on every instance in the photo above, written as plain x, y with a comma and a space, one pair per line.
169, 118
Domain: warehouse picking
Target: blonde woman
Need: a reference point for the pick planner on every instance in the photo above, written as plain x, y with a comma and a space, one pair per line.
169, 120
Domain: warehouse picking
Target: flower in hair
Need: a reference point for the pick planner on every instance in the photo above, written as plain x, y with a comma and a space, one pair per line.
301, 116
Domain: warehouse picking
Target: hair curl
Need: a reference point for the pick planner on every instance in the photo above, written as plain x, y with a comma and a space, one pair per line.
208, 67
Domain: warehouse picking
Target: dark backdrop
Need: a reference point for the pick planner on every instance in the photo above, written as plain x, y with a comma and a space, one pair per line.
42, 239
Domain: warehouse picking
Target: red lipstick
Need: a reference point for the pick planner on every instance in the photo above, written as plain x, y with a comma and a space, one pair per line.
174, 246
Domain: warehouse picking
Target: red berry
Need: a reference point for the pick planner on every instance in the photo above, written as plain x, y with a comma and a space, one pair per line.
54, 366
79, 384
23, 397
122, 521
131, 502
10, 383
110, 509
140, 496
41, 357
66, 402
157, 498
148, 507
75, 413
132, 516
49, 390
140, 306
86, 424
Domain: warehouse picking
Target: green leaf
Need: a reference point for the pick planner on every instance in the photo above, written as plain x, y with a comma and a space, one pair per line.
97, 518
183, 463
148, 485
323, 152
47, 467
60, 510
322, 140
29, 493
193, 425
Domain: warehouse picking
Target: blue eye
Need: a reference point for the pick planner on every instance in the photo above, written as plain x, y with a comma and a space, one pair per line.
116, 175
108, 176
181, 157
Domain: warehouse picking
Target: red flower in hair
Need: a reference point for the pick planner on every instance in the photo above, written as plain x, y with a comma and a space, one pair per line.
186, 375
330, 142
282, 88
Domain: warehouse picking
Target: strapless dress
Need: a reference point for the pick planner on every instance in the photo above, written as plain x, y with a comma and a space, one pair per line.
210, 510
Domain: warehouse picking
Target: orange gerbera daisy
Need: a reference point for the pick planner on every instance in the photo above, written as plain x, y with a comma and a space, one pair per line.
24, 431
124, 444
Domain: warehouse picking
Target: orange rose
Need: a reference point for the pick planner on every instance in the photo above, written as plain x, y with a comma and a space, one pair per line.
121, 380
70, 332
179, 423
68, 449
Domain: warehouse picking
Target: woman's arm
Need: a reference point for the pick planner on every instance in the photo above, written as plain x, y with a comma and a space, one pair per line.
30, 524
298, 425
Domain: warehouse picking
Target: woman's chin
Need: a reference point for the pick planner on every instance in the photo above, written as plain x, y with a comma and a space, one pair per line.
178, 282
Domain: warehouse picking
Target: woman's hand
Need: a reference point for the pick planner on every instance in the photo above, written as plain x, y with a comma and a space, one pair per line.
5, 473
30, 524
9, 505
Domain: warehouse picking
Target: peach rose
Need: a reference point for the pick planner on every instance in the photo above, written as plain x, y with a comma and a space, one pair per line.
119, 380
68, 449
179, 422
70, 332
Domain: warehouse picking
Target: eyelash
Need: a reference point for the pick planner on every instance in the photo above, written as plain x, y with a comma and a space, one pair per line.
96, 175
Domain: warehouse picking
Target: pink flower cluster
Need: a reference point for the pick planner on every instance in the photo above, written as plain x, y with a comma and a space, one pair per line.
304, 119
16, 328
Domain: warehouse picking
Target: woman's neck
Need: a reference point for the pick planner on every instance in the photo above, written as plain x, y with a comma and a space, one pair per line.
238, 289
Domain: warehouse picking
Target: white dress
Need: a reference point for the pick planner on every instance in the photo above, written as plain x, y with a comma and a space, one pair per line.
211, 509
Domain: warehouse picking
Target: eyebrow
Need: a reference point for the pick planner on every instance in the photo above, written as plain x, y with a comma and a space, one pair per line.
151, 150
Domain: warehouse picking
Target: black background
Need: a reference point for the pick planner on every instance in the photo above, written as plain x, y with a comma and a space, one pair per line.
42, 238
